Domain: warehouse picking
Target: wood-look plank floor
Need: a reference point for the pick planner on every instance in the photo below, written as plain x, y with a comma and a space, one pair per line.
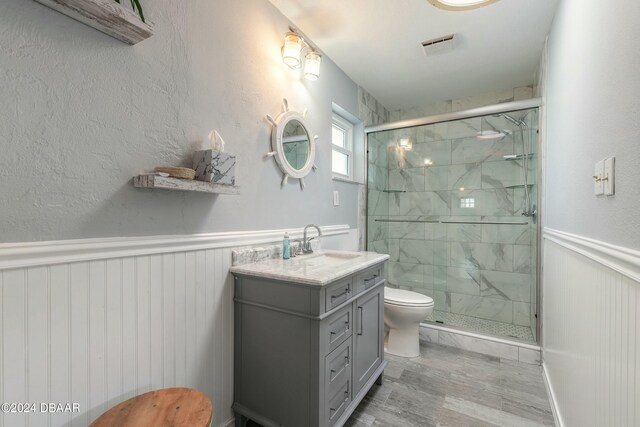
449, 387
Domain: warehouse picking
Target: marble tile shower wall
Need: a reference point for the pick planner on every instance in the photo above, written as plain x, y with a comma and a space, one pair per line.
485, 271
371, 112
378, 194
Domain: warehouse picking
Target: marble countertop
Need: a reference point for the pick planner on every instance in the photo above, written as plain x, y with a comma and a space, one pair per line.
311, 269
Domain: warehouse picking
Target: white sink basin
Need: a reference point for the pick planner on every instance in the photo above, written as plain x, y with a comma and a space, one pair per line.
326, 259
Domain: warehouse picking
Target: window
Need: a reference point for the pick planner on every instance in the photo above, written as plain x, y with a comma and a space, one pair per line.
342, 147
468, 203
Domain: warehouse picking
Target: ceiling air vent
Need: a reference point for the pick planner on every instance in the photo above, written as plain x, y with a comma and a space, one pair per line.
438, 45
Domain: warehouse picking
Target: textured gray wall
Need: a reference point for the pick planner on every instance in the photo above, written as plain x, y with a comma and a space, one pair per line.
593, 110
81, 113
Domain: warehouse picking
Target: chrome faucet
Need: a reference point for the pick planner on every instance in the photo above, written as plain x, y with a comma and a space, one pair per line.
306, 243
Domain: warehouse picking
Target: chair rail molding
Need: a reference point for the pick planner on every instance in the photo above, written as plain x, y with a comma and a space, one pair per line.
31, 254
623, 260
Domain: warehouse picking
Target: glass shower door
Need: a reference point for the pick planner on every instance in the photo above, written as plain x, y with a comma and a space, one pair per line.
453, 204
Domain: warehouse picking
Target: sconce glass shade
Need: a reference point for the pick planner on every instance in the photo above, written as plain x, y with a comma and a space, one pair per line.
291, 50
312, 65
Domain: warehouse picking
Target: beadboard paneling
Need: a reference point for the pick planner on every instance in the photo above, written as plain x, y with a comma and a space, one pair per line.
591, 352
99, 331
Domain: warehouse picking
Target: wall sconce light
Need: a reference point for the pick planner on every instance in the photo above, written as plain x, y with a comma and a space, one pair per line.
292, 52
312, 65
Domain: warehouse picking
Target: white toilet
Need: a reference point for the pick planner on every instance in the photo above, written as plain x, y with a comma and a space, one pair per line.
403, 312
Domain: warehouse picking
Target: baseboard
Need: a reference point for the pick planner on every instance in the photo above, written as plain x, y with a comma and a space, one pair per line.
552, 397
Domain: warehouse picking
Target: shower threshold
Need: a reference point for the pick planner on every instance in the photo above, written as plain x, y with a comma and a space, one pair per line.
482, 326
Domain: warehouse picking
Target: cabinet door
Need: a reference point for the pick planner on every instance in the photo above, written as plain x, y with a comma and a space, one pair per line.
368, 352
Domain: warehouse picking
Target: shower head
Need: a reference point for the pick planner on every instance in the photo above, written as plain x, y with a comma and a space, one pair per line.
511, 119
490, 135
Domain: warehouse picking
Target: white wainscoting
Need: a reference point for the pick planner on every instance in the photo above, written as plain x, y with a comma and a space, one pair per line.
98, 321
591, 330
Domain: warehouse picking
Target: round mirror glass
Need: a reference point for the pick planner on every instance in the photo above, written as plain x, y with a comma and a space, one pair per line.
295, 142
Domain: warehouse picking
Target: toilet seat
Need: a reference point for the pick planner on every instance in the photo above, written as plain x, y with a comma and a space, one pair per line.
403, 298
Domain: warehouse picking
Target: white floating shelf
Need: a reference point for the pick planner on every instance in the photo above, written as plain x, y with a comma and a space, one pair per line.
177, 184
106, 16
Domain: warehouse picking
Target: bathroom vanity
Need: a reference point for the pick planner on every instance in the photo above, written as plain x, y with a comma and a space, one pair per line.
308, 337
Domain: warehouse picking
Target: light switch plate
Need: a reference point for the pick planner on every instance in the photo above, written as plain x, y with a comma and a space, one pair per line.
336, 198
610, 175
598, 187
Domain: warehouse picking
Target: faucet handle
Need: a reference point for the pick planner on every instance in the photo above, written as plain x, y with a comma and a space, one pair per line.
307, 246
296, 247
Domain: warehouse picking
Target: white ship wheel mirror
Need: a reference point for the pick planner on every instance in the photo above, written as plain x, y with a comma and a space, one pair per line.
292, 144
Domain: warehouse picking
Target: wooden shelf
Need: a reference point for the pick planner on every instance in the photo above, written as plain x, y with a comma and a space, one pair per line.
106, 16
177, 184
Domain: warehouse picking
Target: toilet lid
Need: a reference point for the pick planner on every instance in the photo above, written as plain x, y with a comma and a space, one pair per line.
406, 298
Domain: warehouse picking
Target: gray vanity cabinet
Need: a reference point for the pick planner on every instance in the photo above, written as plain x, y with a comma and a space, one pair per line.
306, 355
368, 344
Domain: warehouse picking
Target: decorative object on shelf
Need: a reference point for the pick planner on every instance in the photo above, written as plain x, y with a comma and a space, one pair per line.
212, 164
107, 16
177, 184
292, 145
135, 5
177, 172
293, 50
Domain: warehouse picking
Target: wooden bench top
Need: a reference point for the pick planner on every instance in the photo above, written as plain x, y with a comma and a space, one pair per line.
169, 407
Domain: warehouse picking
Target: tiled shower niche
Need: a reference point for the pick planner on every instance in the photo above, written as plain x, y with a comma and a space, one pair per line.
447, 207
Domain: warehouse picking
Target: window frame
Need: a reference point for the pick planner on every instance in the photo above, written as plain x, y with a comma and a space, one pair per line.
348, 128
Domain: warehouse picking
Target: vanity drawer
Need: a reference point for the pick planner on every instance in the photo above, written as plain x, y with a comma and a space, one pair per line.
339, 327
370, 277
337, 403
338, 293
338, 368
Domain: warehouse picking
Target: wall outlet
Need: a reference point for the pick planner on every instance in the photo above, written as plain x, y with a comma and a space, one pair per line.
598, 173
336, 198
609, 175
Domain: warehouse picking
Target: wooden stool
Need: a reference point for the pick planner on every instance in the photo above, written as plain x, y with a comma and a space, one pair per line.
169, 407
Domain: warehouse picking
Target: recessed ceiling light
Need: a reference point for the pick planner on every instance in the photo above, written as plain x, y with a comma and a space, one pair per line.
460, 4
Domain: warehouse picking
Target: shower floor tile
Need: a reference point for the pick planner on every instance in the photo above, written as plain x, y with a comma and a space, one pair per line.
484, 326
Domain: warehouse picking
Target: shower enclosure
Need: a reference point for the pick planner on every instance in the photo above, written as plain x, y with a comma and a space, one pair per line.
453, 200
